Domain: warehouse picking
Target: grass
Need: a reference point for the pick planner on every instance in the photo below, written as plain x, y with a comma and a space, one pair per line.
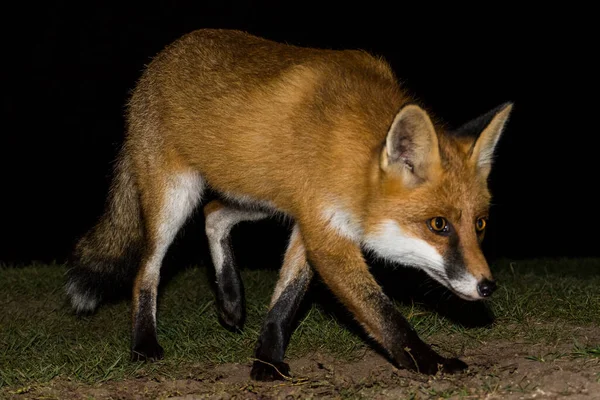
538, 301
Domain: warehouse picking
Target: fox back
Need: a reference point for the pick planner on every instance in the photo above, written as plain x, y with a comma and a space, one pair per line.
258, 117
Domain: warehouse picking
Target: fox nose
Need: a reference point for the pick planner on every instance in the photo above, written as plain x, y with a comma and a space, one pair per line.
485, 288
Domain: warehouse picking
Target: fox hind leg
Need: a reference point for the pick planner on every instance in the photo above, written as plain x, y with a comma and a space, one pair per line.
293, 282
167, 203
220, 219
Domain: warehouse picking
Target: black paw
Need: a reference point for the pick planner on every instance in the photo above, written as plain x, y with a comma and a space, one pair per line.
441, 364
265, 372
452, 365
232, 315
147, 350
426, 361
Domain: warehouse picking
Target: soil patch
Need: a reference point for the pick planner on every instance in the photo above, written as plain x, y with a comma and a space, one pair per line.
498, 370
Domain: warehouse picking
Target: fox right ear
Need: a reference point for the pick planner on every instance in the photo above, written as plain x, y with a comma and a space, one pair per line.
411, 146
485, 131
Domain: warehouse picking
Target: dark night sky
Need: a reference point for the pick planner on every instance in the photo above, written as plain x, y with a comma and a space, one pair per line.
69, 70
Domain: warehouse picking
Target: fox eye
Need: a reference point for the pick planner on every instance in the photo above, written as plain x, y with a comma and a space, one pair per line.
438, 225
480, 224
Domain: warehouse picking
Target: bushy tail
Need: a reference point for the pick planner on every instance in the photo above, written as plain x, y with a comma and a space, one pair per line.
106, 259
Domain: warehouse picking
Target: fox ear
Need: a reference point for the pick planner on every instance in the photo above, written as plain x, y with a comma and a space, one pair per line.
411, 146
487, 130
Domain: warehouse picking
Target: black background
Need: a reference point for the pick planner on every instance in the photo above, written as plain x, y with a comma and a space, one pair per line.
69, 68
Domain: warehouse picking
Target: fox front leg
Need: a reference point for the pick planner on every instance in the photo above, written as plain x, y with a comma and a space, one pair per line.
294, 279
341, 265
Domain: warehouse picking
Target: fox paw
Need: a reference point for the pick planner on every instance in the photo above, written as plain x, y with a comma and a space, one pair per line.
231, 315
148, 350
452, 365
441, 364
266, 372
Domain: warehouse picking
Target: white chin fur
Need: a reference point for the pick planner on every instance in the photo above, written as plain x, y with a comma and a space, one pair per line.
390, 242
465, 287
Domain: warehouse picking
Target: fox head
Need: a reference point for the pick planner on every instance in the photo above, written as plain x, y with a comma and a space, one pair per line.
429, 199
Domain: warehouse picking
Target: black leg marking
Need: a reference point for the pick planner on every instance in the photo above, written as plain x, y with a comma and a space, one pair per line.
230, 290
406, 348
145, 343
277, 330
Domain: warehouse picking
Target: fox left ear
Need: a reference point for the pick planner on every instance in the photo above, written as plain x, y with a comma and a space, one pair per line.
487, 130
411, 146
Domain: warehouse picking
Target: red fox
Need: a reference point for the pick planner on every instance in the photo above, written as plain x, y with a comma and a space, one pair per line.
326, 138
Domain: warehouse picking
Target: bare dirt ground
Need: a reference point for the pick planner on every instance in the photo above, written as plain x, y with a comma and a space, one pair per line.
498, 370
